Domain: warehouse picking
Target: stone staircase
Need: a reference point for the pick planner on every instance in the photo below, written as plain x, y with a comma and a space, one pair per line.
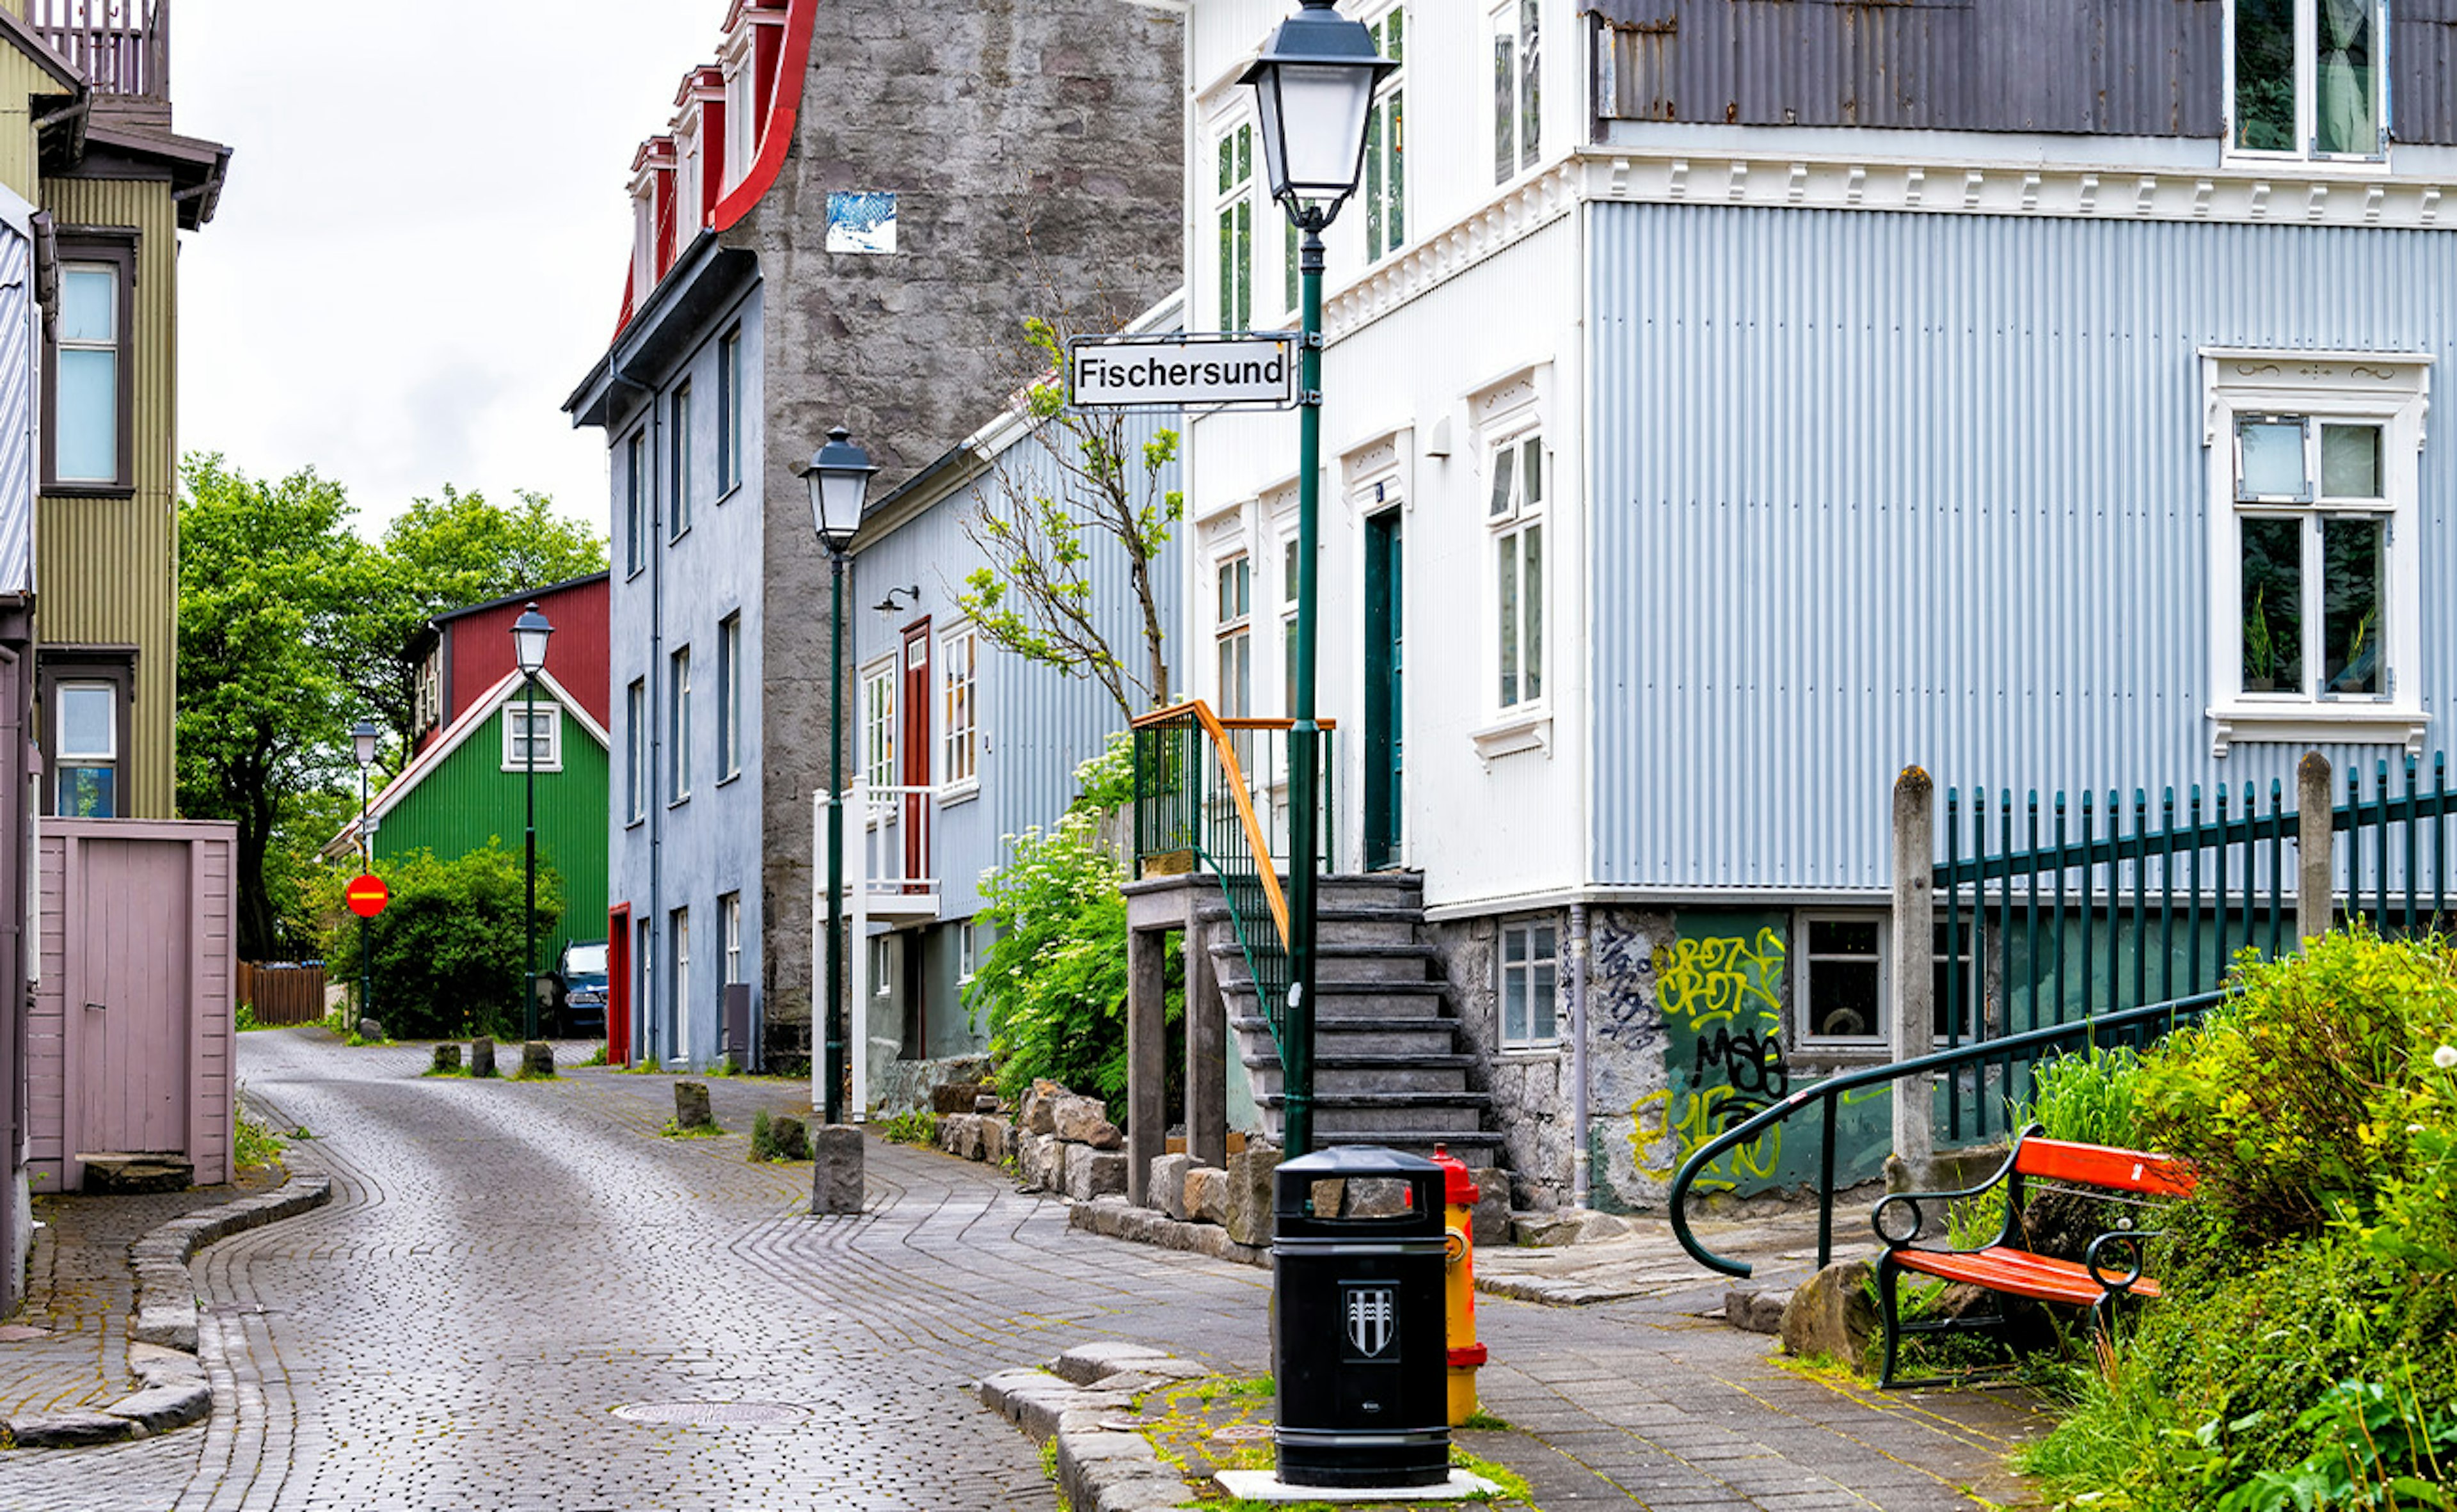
1390, 1062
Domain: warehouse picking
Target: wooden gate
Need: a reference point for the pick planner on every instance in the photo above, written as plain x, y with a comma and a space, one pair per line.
131, 1035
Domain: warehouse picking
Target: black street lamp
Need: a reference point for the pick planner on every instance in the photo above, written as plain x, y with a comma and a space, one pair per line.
838, 478
530, 634
1313, 89
362, 744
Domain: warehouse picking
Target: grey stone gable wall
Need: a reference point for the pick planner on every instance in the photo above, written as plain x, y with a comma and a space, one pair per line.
1033, 150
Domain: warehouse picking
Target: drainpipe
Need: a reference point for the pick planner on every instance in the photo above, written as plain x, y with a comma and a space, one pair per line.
655, 522
1578, 1173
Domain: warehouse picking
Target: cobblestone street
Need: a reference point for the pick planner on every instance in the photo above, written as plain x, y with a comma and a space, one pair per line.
503, 1264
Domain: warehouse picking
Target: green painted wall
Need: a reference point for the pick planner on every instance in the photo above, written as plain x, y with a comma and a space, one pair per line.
470, 799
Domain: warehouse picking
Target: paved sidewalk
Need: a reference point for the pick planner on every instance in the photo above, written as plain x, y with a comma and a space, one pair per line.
503, 1264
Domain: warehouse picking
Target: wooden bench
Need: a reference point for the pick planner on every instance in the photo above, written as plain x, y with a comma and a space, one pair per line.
2007, 1265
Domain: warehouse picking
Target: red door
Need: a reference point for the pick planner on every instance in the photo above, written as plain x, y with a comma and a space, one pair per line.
618, 985
915, 746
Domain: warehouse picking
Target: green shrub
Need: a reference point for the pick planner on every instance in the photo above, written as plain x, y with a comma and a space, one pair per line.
763, 1138
2305, 1351
447, 946
919, 1127
2091, 1097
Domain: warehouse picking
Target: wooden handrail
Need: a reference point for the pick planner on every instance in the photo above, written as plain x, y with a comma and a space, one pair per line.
1201, 713
1181, 711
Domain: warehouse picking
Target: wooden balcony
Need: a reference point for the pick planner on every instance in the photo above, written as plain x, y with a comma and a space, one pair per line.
123, 47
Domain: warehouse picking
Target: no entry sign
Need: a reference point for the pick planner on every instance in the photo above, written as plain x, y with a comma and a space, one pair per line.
367, 895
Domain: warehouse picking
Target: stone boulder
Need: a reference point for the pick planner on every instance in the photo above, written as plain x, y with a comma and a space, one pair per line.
1038, 1161
1491, 1204
537, 1059
959, 1134
1566, 1226
1084, 1121
1094, 1173
1829, 1313
482, 1056
1755, 1312
790, 1138
996, 1143
1206, 1194
690, 1105
1168, 1184
1249, 1193
447, 1058
954, 1097
1038, 1114
1375, 1198
372, 1032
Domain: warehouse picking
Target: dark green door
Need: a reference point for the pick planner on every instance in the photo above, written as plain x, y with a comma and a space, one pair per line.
1384, 706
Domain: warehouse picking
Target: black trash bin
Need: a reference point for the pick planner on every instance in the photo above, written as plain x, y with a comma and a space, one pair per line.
1357, 1339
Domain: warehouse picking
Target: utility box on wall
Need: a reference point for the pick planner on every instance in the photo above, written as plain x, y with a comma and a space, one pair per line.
130, 1047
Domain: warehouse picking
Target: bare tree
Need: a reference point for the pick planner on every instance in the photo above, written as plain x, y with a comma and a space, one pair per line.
1079, 486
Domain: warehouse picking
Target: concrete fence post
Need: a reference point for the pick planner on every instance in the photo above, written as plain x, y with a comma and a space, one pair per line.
2314, 845
1912, 1006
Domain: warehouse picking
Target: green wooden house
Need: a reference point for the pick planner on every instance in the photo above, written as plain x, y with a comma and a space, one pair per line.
467, 786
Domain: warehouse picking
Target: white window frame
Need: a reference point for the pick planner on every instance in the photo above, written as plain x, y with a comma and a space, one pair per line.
728, 698
1286, 555
1227, 201
427, 700
729, 915
1386, 149
2390, 390
1512, 17
960, 739
635, 503
968, 958
644, 237
1507, 529
1503, 967
687, 164
728, 413
741, 143
548, 714
882, 968
678, 419
2307, 54
635, 778
678, 931
678, 726
1804, 976
878, 732
1233, 634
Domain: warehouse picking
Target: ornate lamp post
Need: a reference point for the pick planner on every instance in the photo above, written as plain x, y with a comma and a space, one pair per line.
838, 478
530, 634
1313, 89
362, 744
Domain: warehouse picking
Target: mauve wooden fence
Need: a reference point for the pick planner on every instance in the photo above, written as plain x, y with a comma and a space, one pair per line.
283, 993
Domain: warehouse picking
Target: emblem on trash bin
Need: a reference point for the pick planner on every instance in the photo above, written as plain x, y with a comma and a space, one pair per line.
1373, 1320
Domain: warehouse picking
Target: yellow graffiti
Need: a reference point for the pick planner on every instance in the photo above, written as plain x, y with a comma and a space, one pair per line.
1708, 983
1697, 1124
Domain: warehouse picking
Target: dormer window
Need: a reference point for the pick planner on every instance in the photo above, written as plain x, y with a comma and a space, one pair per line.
741, 116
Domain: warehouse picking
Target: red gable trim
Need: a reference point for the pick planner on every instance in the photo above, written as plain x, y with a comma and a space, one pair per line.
801, 18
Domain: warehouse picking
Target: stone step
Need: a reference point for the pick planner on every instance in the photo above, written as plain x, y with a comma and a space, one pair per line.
1377, 926
1474, 1151
1357, 1112
1346, 1035
136, 1172
1369, 1073
1344, 962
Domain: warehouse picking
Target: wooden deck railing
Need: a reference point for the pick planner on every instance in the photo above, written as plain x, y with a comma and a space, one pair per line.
123, 47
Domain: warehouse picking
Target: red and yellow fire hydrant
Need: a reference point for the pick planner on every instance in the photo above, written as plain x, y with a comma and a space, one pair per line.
1458, 1217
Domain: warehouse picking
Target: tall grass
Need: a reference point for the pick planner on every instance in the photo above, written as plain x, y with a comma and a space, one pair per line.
2087, 1096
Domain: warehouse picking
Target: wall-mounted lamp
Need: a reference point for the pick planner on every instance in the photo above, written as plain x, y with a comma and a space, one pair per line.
889, 605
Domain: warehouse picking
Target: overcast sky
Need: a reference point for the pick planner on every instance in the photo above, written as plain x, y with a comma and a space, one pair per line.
421, 249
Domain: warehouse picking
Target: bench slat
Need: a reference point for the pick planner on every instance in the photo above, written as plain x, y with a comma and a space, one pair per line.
2104, 1166
2019, 1272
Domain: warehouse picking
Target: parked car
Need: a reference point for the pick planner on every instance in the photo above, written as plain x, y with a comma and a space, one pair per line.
580, 989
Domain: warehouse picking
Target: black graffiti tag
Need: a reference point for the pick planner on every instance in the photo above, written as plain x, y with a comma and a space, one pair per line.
1752, 1067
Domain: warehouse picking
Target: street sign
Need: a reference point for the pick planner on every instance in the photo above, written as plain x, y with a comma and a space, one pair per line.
1209, 372
367, 895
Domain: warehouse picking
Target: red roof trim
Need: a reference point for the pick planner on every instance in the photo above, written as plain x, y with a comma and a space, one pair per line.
801, 18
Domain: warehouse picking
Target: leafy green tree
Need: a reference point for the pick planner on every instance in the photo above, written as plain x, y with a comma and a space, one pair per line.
443, 554
1078, 487
446, 949
267, 575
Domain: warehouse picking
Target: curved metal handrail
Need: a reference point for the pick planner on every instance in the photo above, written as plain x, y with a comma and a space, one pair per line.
1833, 1087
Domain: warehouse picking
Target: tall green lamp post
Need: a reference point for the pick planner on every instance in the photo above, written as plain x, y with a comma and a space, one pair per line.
1313, 89
530, 634
362, 744
838, 478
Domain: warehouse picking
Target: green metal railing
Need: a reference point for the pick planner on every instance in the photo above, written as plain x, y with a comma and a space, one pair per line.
2108, 905
2132, 1026
1205, 799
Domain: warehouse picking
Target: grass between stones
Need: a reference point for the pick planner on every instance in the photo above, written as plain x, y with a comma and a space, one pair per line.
1187, 1436
674, 1131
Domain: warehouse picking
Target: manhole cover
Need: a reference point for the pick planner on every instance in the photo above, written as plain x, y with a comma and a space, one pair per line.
711, 1414
1243, 1433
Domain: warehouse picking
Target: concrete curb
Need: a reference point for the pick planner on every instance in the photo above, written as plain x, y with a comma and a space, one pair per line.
1100, 1469
162, 1330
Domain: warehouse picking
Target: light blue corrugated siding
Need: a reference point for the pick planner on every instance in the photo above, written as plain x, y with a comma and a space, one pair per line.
1876, 489
1036, 724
